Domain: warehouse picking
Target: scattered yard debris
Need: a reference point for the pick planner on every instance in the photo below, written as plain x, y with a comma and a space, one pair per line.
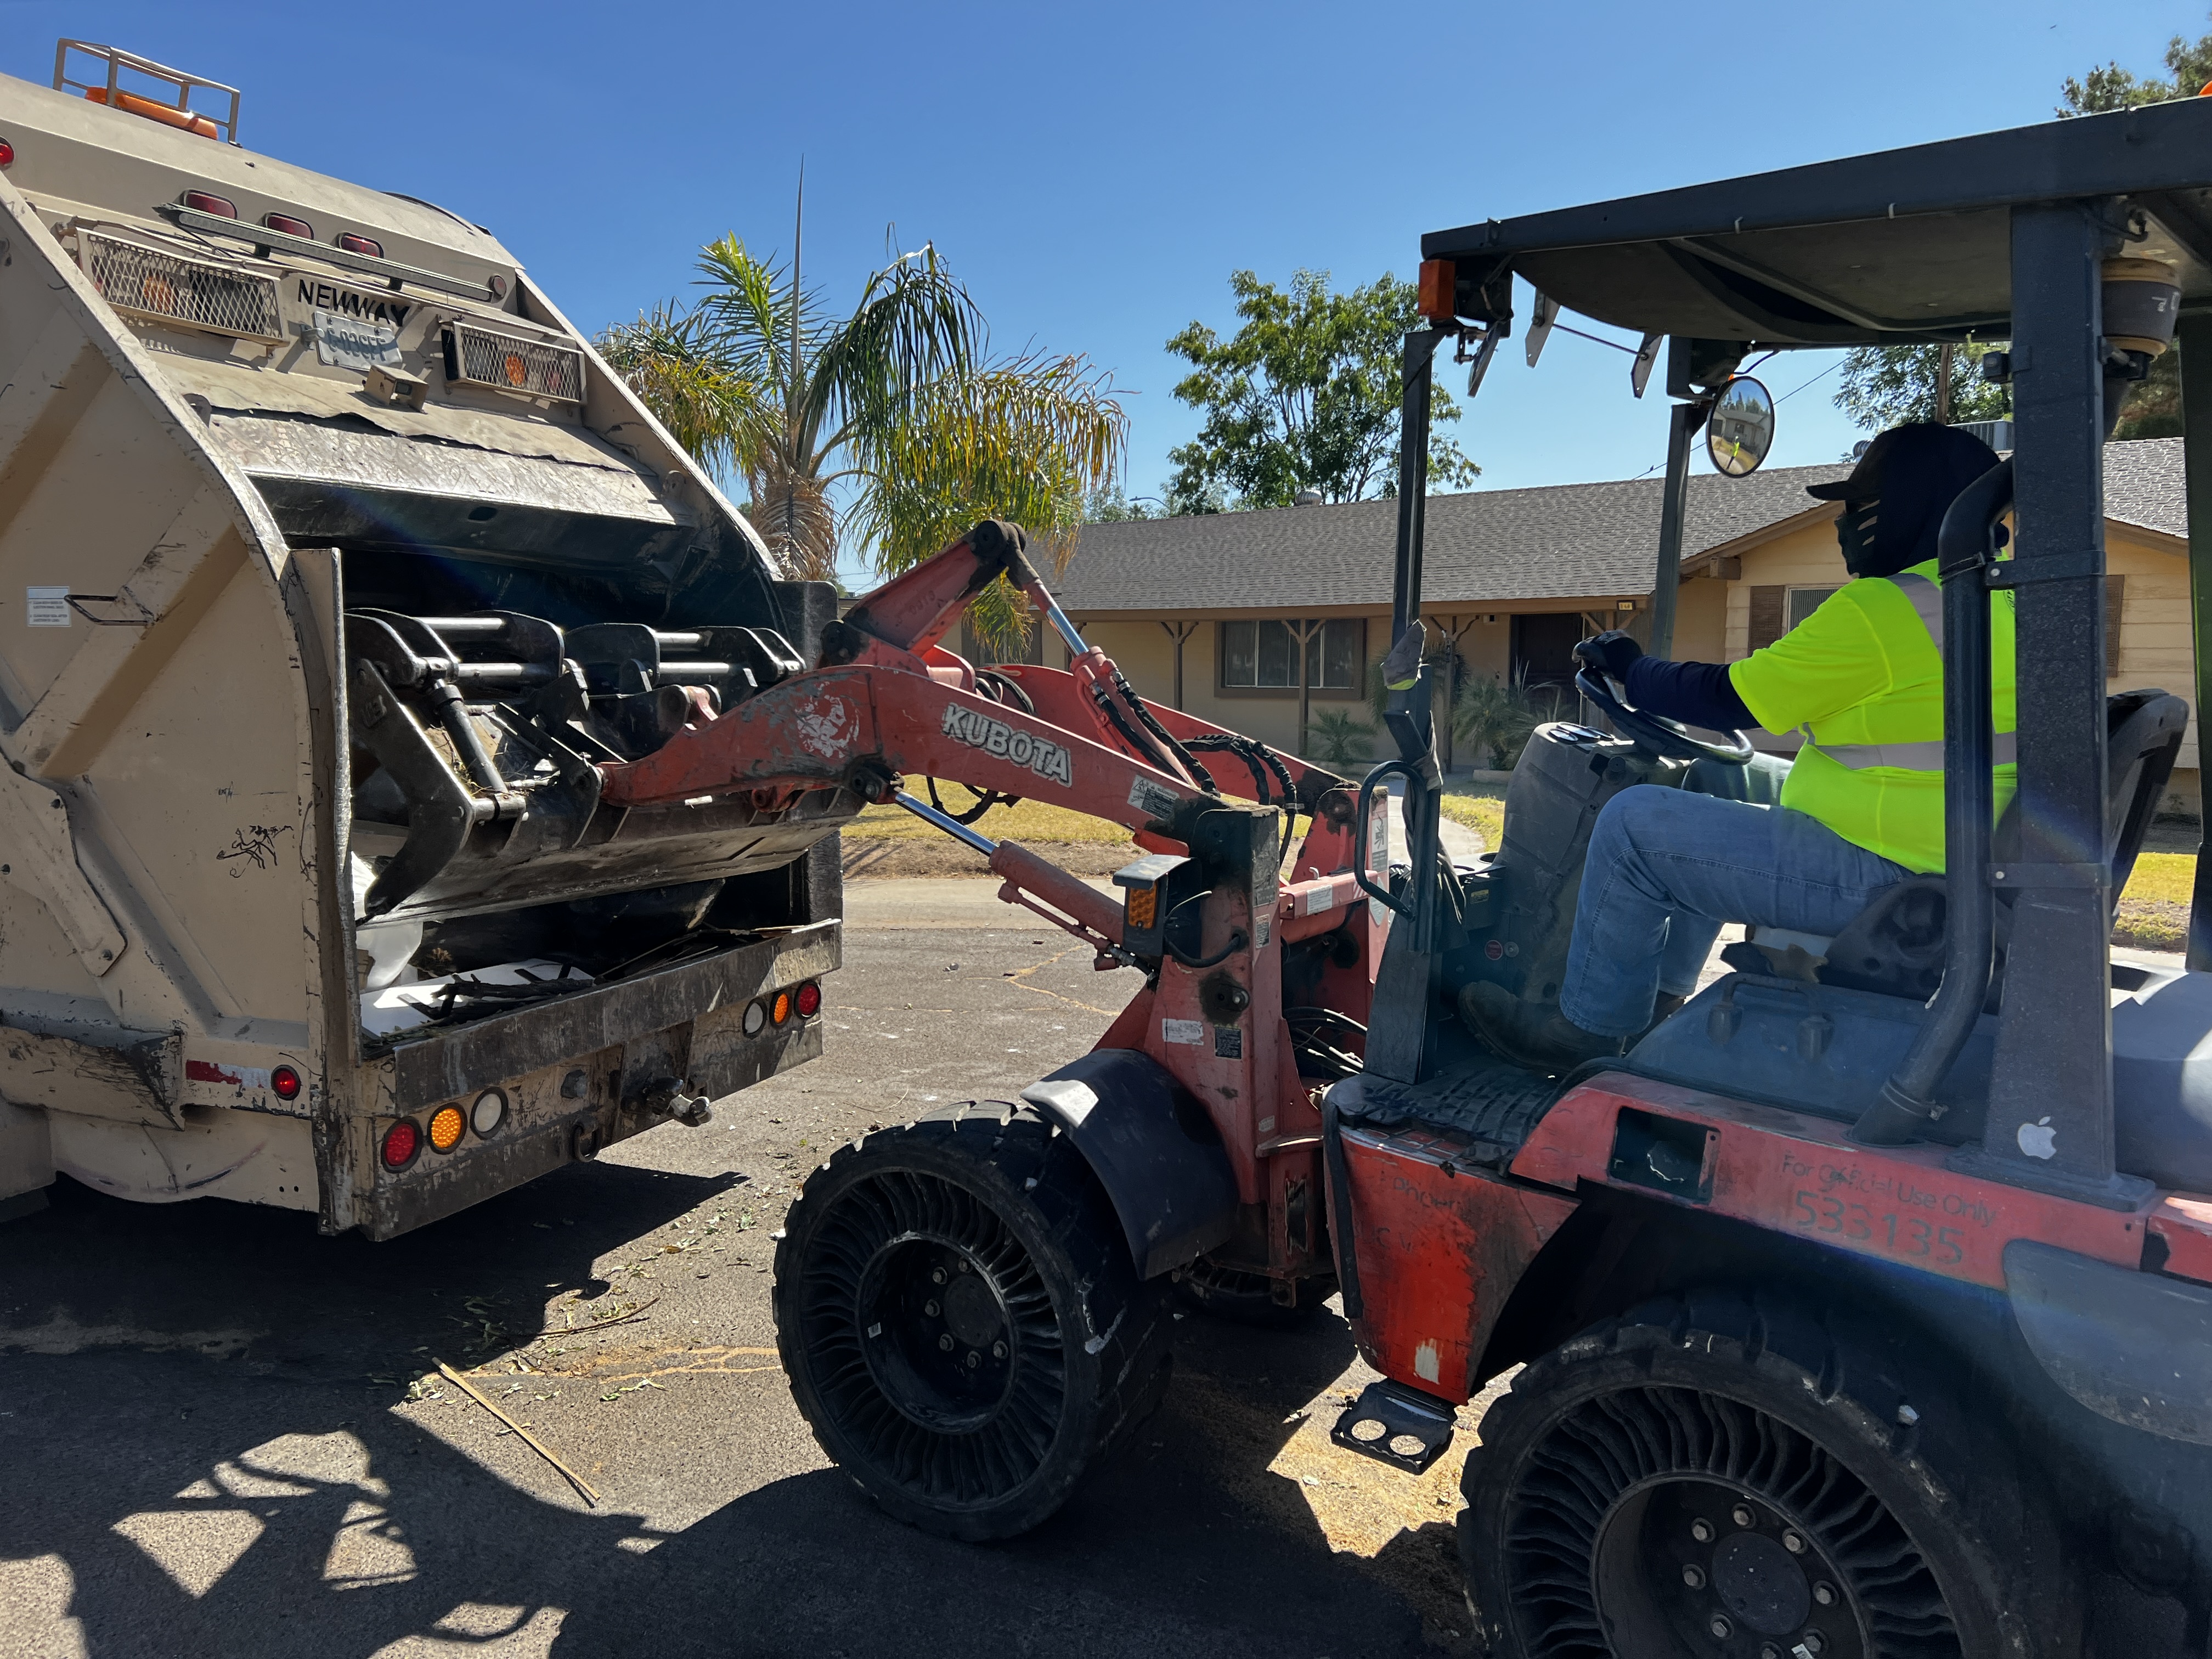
590, 1496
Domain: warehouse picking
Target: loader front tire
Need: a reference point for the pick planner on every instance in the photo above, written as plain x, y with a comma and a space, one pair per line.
962, 1327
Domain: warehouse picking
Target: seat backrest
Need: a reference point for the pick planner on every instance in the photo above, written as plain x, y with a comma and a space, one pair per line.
1896, 945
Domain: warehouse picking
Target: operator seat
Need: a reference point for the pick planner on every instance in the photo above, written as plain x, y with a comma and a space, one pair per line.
1895, 946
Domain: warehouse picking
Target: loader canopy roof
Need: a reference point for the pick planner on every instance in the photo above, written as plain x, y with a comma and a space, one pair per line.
1901, 246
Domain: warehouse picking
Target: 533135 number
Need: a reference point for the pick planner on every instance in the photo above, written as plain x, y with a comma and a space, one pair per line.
1909, 1236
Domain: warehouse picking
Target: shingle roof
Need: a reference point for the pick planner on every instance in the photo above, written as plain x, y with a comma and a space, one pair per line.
1563, 541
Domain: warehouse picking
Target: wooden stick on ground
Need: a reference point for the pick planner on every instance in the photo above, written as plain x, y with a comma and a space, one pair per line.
534, 1443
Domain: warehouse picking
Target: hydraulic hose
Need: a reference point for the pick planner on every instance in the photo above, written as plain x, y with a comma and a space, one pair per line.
1964, 548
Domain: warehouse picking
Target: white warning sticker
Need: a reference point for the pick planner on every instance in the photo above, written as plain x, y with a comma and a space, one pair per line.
1315, 900
1154, 798
46, 607
1191, 1031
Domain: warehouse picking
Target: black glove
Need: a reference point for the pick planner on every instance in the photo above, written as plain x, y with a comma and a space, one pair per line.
1611, 651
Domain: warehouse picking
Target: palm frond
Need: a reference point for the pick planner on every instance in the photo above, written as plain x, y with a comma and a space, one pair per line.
709, 406
914, 324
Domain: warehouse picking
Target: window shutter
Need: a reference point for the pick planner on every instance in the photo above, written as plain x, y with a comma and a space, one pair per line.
1770, 620
2116, 588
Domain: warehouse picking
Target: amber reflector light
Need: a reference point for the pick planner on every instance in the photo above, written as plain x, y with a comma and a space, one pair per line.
446, 1124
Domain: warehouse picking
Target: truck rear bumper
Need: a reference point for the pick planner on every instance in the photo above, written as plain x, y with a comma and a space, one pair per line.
566, 1077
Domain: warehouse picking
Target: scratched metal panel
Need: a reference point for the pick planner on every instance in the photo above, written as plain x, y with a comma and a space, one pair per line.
488, 1051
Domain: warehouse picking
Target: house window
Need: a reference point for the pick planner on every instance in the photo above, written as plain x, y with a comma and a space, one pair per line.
1804, 601
1262, 656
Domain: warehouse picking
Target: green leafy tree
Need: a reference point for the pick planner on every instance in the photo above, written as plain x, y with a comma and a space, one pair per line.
1110, 506
1884, 386
2154, 408
1303, 395
897, 400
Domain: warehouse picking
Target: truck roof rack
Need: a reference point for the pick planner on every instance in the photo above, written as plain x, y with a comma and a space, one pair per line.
107, 89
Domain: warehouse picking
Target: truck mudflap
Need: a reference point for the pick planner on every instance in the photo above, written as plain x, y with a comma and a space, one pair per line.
559, 1080
2134, 1347
1153, 1148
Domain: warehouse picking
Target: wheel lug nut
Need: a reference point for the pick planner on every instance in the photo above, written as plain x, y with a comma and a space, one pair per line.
1741, 1515
930, 1308
936, 1275
1721, 1626
1768, 1651
963, 1264
1811, 1641
1694, 1576
998, 1351
946, 1343
1824, 1593
1793, 1543
1702, 1531
974, 1359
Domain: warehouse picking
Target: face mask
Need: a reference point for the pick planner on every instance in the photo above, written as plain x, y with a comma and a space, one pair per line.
1854, 530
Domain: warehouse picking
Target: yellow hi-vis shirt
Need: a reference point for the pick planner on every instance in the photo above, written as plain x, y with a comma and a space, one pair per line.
1862, 679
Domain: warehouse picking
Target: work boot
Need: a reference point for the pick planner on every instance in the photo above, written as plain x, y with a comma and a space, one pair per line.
1528, 1033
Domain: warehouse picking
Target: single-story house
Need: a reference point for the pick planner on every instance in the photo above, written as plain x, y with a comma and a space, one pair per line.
1208, 613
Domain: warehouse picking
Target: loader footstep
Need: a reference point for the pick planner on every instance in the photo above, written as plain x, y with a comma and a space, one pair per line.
1398, 1425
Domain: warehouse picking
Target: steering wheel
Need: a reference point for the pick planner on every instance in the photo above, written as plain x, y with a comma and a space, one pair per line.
1669, 739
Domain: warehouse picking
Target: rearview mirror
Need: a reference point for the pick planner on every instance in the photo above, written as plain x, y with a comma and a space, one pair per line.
1740, 429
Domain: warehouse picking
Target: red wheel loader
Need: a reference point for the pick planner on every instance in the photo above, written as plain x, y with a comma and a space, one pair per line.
1864, 1307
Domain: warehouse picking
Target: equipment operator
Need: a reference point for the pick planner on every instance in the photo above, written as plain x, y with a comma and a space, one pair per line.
1861, 680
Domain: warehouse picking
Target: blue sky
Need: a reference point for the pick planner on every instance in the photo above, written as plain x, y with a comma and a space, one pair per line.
1095, 173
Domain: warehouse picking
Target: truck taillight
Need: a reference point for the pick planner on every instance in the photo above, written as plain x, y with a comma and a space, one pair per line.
401, 1141
7, 153
446, 1124
289, 225
780, 1010
221, 206
286, 1082
809, 999
353, 244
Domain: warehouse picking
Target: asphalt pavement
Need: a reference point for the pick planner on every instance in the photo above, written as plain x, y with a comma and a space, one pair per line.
222, 1434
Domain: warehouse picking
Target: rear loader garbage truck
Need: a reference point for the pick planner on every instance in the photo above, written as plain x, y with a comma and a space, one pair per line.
333, 567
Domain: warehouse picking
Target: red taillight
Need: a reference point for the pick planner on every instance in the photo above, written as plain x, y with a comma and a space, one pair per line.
401, 1142
289, 225
286, 1082
7, 153
810, 1000
368, 245
200, 201
498, 286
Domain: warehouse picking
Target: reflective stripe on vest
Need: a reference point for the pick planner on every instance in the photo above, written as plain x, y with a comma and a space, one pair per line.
1927, 601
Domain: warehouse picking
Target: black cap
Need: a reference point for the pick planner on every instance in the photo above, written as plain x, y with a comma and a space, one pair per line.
1918, 444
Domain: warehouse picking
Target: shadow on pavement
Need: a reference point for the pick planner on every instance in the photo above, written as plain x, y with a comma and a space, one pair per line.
250, 1492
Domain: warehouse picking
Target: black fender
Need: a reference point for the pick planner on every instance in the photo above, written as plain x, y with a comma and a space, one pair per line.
1153, 1148
2134, 1347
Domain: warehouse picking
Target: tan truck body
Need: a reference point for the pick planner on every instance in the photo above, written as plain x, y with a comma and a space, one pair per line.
199, 480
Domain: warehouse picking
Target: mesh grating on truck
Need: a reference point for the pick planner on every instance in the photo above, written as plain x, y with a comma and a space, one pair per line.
200, 293
514, 363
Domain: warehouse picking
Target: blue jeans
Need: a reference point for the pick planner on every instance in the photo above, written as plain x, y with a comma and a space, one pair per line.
1668, 866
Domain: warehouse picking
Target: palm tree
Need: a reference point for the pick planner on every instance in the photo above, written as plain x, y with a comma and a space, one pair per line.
899, 401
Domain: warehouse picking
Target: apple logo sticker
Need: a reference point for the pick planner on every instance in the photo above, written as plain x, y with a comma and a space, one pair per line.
2039, 1139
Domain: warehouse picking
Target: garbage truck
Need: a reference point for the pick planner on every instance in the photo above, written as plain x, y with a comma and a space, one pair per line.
334, 566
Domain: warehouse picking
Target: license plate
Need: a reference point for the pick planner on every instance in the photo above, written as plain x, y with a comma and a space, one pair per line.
353, 342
